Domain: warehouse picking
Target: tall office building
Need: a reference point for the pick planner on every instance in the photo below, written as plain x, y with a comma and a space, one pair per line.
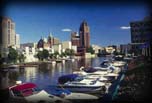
17, 41
141, 30
84, 33
8, 32
75, 39
7, 35
141, 37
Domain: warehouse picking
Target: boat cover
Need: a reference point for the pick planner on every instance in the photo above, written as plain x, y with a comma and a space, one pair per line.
69, 77
24, 86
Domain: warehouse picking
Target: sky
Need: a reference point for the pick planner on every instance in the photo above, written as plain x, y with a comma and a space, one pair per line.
109, 24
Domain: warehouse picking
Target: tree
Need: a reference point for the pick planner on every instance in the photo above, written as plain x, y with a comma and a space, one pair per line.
21, 58
72, 52
90, 50
63, 54
69, 52
40, 55
56, 53
51, 55
45, 54
13, 55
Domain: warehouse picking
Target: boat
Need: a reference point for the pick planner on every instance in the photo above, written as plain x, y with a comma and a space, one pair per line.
119, 63
29, 92
90, 70
83, 85
118, 57
93, 77
13, 66
68, 77
111, 66
75, 77
66, 94
28, 65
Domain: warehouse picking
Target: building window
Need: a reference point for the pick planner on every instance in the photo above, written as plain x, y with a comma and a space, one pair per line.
12, 26
9, 23
9, 38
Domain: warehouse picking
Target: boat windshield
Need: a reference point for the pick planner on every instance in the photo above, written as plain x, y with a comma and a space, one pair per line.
93, 82
79, 78
17, 93
104, 65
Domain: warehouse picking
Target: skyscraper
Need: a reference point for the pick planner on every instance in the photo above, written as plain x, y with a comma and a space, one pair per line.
141, 37
17, 41
7, 35
8, 32
75, 39
84, 33
141, 30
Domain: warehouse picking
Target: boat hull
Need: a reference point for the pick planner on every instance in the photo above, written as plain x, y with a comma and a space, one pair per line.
81, 89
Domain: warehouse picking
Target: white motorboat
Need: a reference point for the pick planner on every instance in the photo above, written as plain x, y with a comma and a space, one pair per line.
66, 94
80, 96
13, 66
91, 70
28, 92
84, 85
118, 63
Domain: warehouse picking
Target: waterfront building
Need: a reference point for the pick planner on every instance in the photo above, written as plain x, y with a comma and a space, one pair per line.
17, 41
40, 43
84, 32
29, 53
57, 48
8, 32
75, 39
141, 36
96, 48
29, 50
45, 40
56, 41
110, 49
74, 48
66, 45
51, 39
7, 36
34, 45
126, 49
47, 43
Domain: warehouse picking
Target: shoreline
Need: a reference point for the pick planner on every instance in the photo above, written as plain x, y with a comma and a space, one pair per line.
137, 82
36, 63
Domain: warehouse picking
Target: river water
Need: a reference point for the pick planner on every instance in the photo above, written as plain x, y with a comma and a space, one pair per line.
46, 74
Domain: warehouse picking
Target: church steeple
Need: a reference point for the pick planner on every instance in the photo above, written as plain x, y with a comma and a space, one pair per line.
50, 39
50, 35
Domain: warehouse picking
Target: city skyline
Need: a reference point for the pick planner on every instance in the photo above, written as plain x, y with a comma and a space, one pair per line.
108, 24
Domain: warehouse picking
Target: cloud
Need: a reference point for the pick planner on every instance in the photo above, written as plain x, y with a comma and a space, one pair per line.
125, 27
66, 30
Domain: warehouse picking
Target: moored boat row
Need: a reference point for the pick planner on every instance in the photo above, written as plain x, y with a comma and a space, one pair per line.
80, 85
92, 79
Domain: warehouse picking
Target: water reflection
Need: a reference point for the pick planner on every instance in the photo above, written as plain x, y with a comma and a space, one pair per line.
45, 74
